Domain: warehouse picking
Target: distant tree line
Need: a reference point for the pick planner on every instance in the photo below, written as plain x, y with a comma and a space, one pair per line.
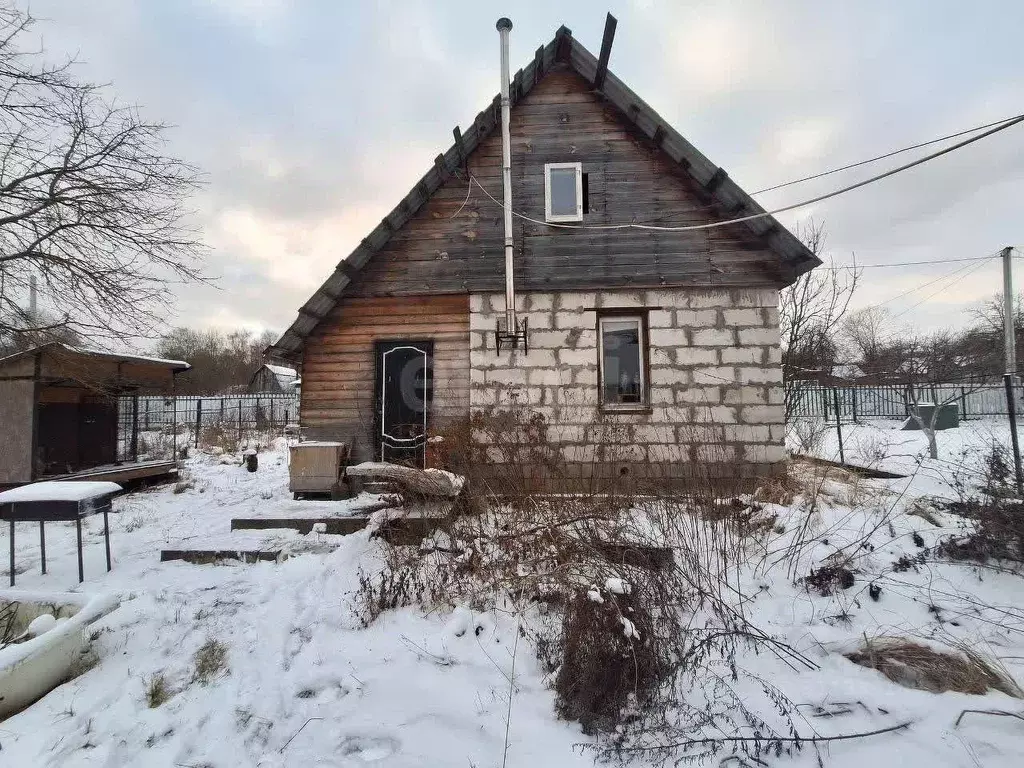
222, 362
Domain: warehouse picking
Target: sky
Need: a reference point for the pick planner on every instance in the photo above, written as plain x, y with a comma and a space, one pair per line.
310, 119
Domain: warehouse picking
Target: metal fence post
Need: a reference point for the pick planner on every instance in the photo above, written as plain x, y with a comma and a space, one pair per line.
839, 424
853, 394
199, 420
135, 428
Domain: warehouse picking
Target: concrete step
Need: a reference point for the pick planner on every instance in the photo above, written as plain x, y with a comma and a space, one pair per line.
210, 556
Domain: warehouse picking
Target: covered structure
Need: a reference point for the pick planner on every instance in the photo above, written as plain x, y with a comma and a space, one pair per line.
72, 412
273, 379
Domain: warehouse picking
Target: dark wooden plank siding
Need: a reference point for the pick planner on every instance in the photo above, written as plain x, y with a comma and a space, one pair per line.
338, 366
448, 247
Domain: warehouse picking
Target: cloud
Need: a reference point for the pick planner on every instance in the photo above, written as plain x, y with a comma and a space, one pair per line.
291, 253
312, 119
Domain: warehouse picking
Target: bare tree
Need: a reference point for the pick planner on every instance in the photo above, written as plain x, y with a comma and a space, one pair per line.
89, 203
989, 313
809, 312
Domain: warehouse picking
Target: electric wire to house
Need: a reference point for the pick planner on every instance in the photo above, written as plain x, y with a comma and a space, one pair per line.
1001, 126
869, 161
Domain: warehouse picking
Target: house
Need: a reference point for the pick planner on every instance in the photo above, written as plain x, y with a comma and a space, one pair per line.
273, 379
670, 333
67, 411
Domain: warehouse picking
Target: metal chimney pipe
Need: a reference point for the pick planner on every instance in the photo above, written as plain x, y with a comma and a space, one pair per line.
504, 26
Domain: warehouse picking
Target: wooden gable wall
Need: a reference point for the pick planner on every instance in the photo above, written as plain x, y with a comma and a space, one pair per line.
338, 368
449, 247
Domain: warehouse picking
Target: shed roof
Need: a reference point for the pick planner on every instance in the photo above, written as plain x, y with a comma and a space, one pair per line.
97, 354
726, 195
107, 372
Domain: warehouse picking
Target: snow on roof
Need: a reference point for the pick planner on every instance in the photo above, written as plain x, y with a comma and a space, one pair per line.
59, 490
180, 365
280, 370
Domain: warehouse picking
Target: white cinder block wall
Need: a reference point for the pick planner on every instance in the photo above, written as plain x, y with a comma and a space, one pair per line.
715, 377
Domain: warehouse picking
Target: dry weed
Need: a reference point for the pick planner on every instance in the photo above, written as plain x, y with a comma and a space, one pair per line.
913, 665
158, 691
210, 660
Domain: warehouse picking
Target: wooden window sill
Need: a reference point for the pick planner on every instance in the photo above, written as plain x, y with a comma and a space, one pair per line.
626, 409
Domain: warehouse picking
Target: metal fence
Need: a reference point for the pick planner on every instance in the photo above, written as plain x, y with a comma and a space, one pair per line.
891, 401
240, 411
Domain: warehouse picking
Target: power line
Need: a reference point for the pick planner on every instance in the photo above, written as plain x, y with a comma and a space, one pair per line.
901, 264
917, 288
970, 270
882, 157
764, 214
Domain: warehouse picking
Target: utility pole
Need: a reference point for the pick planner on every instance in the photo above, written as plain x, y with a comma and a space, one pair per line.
1009, 336
1010, 347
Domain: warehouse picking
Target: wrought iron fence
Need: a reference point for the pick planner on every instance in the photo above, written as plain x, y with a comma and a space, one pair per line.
248, 411
152, 426
892, 401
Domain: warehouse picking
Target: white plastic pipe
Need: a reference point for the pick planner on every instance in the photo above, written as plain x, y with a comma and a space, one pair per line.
504, 27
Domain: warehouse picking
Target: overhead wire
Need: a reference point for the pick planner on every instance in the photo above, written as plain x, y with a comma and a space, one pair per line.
901, 264
887, 155
971, 269
764, 214
922, 286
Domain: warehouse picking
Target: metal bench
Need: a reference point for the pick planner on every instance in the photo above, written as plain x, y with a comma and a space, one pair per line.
58, 501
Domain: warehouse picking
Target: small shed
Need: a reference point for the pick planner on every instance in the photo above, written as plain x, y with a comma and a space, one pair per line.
273, 379
67, 410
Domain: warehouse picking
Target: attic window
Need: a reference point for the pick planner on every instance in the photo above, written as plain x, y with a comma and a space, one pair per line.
563, 192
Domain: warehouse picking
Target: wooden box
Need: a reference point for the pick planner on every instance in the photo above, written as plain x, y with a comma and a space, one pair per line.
315, 466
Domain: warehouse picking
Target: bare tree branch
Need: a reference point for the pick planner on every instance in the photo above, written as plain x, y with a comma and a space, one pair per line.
89, 203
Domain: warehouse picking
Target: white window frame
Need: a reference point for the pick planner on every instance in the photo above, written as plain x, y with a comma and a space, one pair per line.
548, 215
643, 404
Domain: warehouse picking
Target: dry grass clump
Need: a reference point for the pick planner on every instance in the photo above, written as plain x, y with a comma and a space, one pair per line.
830, 579
913, 665
210, 660
781, 490
219, 435
158, 691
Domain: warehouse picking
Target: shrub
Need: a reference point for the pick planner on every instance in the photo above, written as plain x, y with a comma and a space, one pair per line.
504, 544
609, 660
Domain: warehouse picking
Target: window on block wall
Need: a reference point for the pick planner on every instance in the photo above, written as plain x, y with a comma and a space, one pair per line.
623, 361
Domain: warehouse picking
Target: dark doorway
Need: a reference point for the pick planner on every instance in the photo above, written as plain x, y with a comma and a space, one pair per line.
404, 388
76, 430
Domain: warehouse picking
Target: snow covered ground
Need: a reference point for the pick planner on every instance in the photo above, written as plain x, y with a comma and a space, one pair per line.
881, 444
306, 684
